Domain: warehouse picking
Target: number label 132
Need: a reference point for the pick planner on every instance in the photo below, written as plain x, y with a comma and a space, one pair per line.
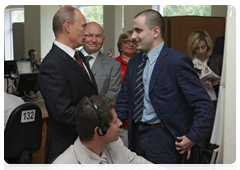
28, 116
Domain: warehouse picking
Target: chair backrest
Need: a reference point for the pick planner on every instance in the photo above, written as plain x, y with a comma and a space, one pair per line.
23, 131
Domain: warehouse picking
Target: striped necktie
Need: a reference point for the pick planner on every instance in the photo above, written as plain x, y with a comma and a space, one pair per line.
104, 164
139, 91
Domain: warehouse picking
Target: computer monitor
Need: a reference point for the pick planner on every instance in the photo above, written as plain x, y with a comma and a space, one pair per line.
24, 67
26, 83
10, 67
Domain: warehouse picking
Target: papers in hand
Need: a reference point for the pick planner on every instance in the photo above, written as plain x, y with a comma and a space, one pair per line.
211, 74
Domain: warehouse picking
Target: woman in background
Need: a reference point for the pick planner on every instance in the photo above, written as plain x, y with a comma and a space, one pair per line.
127, 49
200, 49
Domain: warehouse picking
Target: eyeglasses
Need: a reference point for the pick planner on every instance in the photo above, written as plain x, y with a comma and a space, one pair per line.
129, 41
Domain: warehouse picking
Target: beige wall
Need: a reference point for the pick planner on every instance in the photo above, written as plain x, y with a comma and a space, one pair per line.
32, 29
130, 11
112, 26
38, 28
14, 6
47, 36
219, 10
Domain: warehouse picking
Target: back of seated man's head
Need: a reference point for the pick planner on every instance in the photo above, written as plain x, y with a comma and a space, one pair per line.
32, 54
86, 116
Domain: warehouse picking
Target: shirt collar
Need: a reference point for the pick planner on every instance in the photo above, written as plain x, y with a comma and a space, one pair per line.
94, 55
95, 159
65, 48
154, 53
122, 61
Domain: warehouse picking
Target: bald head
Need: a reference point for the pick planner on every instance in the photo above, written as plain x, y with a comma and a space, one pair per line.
68, 26
95, 26
94, 38
62, 15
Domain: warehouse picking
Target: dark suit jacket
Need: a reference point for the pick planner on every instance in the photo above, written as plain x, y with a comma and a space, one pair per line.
219, 45
177, 95
215, 64
62, 83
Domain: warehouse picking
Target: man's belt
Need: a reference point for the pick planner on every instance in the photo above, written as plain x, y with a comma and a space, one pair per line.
158, 125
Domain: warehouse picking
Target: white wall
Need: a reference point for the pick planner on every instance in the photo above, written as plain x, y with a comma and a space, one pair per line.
229, 137
7, 35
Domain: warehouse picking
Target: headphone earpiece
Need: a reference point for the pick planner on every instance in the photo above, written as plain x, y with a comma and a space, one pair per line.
102, 129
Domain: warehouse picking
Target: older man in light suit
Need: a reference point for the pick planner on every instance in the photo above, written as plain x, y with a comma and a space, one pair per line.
98, 141
107, 71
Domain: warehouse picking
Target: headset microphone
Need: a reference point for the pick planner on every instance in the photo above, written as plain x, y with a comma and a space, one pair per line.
102, 129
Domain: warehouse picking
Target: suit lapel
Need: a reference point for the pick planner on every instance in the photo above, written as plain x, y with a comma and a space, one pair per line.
98, 64
158, 66
72, 64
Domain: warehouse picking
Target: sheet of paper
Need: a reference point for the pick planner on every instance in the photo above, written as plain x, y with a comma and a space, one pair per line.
204, 78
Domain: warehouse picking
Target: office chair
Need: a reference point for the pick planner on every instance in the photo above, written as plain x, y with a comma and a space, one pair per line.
23, 134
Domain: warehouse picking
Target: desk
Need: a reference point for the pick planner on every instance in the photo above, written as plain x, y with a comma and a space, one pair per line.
38, 157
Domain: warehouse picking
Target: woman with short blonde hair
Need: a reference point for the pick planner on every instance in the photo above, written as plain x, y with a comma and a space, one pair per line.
195, 38
200, 49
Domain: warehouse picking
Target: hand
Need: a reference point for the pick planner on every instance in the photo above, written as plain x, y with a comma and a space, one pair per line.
214, 82
111, 55
185, 145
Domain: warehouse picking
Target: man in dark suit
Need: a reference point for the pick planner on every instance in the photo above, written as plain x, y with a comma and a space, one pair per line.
64, 79
168, 110
107, 71
34, 63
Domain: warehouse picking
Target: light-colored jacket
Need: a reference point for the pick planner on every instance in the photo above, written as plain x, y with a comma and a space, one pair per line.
115, 153
107, 73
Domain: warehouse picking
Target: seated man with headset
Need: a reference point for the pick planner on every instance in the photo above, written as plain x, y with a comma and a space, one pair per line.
98, 130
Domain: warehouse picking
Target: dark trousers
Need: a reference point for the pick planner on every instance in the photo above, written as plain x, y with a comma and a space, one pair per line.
156, 145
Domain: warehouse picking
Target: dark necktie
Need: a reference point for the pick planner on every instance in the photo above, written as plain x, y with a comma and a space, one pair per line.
79, 61
88, 57
139, 91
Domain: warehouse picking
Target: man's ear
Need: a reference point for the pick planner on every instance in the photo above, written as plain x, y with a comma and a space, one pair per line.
156, 32
95, 132
67, 26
